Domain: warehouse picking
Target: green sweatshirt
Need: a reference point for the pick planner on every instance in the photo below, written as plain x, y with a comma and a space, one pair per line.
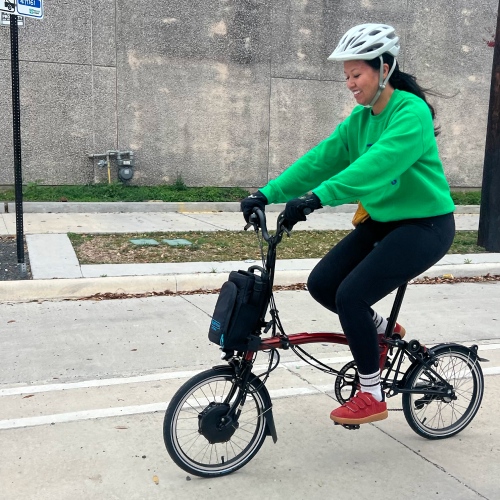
388, 161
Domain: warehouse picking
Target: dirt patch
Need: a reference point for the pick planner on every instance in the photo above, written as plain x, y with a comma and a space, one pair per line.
9, 268
220, 246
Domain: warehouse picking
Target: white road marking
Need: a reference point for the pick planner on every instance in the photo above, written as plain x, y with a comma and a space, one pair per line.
494, 370
34, 389
17, 423
488, 347
14, 391
97, 383
331, 361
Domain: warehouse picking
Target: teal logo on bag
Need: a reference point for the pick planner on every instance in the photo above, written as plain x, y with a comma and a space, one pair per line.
215, 325
222, 340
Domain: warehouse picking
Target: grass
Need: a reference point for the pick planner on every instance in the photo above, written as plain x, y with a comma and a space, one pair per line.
467, 198
220, 246
177, 192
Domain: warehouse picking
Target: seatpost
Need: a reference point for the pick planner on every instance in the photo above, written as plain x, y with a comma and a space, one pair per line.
391, 323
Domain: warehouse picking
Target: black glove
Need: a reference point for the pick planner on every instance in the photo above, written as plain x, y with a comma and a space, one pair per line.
256, 199
294, 210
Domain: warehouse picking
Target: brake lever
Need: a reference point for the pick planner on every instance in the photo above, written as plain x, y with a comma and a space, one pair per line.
254, 224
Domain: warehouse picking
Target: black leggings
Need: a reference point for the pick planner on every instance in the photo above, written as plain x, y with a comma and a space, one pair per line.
368, 264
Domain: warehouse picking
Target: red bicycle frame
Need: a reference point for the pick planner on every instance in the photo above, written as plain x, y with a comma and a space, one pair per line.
282, 342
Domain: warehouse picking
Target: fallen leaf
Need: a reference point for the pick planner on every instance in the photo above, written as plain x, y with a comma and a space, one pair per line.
155, 479
134, 349
121, 427
11, 321
30, 396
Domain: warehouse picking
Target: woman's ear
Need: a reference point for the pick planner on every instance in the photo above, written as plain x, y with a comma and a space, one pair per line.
386, 70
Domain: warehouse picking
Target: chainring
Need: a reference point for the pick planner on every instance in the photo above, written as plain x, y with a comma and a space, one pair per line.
347, 380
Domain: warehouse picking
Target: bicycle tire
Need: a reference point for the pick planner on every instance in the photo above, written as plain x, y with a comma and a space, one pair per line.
459, 367
170, 425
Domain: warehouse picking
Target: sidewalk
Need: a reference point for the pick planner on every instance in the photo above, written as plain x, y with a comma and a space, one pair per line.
38, 223
58, 274
99, 374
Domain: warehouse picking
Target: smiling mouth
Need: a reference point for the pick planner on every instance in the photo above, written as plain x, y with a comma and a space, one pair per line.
357, 92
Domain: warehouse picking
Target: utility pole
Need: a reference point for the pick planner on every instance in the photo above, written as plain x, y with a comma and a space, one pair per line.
16, 118
489, 219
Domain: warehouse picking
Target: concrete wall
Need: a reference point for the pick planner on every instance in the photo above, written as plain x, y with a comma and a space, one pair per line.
225, 92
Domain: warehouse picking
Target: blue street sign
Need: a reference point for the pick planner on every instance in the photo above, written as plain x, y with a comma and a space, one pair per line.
30, 8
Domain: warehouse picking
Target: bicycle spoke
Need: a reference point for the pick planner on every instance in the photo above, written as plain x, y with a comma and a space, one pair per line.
193, 438
231, 444
204, 395
244, 430
187, 403
206, 448
193, 443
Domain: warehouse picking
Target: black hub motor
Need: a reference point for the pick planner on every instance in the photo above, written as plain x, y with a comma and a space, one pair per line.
215, 425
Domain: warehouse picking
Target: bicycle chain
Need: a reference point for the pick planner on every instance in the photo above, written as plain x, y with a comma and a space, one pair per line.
394, 409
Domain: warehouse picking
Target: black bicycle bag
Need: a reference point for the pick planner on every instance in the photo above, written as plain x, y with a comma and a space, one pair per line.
240, 307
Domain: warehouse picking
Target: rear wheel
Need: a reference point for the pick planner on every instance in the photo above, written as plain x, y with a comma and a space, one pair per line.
438, 417
195, 428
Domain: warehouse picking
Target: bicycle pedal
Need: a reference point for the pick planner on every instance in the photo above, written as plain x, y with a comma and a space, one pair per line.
350, 427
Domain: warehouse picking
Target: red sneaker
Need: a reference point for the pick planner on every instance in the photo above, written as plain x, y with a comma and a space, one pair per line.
398, 329
360, 409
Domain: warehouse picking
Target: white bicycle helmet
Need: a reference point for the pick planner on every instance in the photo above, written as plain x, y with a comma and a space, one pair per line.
366, 42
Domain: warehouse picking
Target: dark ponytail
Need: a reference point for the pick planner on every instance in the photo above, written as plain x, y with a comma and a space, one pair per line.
404, 81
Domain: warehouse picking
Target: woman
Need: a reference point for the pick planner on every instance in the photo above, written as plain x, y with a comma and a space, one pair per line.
385, 155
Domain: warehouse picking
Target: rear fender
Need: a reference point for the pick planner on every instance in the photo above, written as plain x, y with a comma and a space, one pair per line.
436, 350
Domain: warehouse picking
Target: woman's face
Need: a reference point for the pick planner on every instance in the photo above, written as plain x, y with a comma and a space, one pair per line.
362, 80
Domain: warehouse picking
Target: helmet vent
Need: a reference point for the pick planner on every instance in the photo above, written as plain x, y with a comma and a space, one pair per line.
373, 47
376, 32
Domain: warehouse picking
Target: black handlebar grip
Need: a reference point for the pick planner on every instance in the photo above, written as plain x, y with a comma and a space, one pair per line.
306, 211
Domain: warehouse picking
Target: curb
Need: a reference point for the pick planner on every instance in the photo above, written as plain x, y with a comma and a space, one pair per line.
27, 291
189, 207
57, 289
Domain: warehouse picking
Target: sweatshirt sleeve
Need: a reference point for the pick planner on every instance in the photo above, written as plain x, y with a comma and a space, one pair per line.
328, 158
398, 148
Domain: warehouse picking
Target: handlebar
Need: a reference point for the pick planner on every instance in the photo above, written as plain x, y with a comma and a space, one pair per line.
261, 222
258, 220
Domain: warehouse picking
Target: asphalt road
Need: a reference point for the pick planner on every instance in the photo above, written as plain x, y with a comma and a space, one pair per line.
84, 385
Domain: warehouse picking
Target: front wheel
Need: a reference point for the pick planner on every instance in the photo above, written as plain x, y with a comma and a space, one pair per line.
438, 417
195, 428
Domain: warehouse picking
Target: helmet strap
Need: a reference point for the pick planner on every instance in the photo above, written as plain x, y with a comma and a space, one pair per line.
382, 83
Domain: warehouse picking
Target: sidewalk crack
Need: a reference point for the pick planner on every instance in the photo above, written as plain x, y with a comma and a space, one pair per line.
5, 225
199, 308
204, 222
296, 374
441, 468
